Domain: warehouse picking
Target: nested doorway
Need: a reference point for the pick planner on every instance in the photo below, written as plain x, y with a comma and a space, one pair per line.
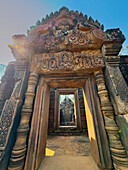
67, 109
97, 136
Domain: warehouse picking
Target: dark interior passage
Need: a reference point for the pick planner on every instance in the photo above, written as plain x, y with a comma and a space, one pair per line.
67, 111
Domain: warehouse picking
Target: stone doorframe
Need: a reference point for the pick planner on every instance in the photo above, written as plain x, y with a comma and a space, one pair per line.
93, 91
56, 111
38, 132
68, 43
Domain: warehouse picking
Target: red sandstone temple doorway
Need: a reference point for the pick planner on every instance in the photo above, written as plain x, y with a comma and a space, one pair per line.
67, 145
36, 150
66, 50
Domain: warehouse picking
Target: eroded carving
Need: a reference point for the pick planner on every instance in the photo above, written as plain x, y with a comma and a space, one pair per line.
119, 89
20, 147
6, 120
69, 61
78, 38
118, 152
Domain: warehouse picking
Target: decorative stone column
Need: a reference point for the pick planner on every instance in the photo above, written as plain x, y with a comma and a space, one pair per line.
117, 87
39, 124
114, 78
19, 149
118, 153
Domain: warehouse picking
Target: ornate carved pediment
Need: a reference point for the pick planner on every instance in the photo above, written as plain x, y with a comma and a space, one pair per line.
69, 30
73, 40
64, 31
63, 18
68, 61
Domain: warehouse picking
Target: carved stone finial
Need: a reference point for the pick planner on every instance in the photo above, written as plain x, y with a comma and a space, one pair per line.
91, 20
86, 17
64, 9
97, 23
102, 27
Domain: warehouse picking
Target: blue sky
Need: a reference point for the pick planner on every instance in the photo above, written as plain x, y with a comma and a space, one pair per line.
16, 16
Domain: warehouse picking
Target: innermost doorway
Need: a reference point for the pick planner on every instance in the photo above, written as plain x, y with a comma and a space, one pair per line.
67, 110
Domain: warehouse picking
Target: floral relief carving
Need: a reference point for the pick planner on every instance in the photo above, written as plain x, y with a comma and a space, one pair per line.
67, 60
6, 119
79, 38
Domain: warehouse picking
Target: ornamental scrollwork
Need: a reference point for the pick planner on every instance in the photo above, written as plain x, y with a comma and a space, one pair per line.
69, 61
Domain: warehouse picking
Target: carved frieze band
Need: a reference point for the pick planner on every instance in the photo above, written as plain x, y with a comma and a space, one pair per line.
19, 149
69, 61
118, 153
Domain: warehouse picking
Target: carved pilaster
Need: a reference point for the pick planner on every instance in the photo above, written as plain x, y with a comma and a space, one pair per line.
10, 114
19, 149
118, 153
114, 79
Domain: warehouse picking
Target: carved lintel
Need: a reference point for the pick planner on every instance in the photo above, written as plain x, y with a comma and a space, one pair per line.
118, 153
68, 61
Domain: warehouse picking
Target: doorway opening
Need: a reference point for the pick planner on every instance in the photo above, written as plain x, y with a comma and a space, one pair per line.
70, 102
67, 110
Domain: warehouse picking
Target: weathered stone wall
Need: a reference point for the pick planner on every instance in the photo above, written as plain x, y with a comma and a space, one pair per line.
7, 84
124, 67
13, 88
82, 110
115, 79
122, 120
51, 110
